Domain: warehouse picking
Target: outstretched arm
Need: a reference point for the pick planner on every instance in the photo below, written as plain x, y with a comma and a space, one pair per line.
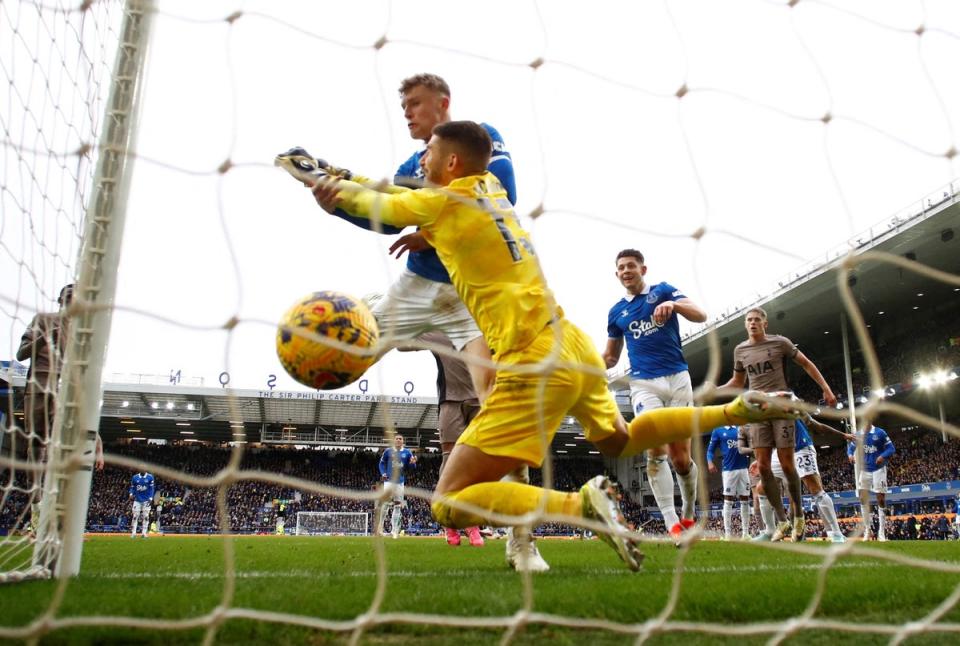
811, 369
398, 209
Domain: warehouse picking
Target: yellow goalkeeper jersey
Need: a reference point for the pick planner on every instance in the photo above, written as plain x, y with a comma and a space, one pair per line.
491, 261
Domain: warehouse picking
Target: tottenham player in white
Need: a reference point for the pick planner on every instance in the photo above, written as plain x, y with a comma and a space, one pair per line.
872, 475
805, 458
141, 491
647, 319
393, 466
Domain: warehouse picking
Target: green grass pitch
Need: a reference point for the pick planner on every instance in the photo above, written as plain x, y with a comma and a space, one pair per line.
335, 580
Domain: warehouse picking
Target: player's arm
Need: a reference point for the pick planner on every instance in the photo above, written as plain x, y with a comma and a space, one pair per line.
151, 489
739, 377
366, 223
400, 209
888, 450
743, 442
611, 353
811, 369
817, 425
711, 450
29, 340
131, 489
384, 466
501, 164
682, 306
852, 450
412, 460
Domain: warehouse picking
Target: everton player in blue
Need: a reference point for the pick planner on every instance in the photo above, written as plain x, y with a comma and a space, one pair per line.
871, 475
393, 466
141, 491
736, 480
647, 318
422, 299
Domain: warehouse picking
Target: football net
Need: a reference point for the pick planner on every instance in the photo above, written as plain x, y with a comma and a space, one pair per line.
318, 523
808, 113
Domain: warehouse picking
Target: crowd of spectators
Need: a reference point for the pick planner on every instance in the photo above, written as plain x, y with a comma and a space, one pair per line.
252, 504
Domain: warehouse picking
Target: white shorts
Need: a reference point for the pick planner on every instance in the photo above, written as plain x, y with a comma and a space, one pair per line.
141, 507
414, 305
668, 391
875, 481
736, 483
805, 459
395, 491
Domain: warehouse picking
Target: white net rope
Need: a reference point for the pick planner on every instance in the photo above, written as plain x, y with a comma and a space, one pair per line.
653, 102
56, 74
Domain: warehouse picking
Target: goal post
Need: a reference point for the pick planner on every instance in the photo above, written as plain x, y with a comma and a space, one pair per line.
70, 447
320, 523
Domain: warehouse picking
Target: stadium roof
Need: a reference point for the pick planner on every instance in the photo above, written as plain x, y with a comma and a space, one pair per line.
807, 307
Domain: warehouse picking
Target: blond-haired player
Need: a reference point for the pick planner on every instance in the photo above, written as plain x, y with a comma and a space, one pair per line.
547, 367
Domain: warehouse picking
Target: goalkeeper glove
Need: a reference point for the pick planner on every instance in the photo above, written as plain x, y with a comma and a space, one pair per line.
307, 168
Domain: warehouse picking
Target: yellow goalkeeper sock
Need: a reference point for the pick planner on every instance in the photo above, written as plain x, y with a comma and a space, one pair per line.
508, 498
664, 425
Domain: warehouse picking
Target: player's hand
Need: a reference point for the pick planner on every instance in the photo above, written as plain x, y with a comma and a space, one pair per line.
663, 312
327, 193
754, 469
410, 242
879, 459
829, 397
98, 464
413, 459
851, 459
850, 437
711, 467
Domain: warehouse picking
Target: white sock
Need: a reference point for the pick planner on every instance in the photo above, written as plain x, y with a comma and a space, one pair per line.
522, 475
867, 521
395, 520
134, 530
661, 482
768, 515
688, 491
744, 518
881, 518
828, 513
727, 518
382, 517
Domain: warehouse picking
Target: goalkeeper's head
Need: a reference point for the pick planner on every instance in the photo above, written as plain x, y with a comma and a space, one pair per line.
456, 149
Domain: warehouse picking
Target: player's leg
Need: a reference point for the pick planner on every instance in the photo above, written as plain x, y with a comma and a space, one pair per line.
763, 441
744, 517
646, 395
865, 483
396, 520
728, 516
521, 549
145, 518
879, 478
454, 416
135, 517
477, 355
505, 435
688, 475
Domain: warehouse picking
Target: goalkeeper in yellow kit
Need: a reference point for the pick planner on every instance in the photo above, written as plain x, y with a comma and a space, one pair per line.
547, 367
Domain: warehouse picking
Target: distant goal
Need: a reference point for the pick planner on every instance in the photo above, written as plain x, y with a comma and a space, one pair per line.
332, 523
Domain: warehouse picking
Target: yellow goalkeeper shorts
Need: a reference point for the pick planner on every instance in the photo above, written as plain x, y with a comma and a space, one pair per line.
523, 412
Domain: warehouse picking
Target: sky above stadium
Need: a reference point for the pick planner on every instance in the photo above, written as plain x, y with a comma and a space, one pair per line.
795, 130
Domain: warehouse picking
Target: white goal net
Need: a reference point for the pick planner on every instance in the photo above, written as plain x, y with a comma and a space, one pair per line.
731, 140
340, 523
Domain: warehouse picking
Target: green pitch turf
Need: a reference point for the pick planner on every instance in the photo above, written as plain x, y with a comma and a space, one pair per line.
334, 579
